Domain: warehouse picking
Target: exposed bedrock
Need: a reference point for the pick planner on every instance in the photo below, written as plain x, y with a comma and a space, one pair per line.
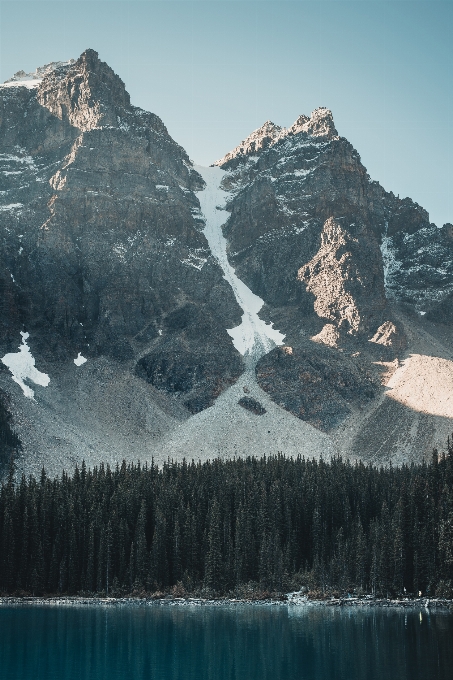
317, 383
102, 243
286, 183
331, 253
104, 223
179, 363
346, 278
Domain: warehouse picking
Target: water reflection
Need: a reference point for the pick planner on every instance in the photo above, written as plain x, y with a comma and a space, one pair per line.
220, 643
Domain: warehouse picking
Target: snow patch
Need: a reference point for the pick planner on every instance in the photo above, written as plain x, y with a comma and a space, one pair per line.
22, 366
30, 84
120, 250
122, 125
28, 160
253, 335
195, 259
391, 264
80, 360
11, 206
33, 80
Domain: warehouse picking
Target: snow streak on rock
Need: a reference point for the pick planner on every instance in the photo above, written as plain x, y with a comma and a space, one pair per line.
34, 79
22, 366
253, 337
390, 262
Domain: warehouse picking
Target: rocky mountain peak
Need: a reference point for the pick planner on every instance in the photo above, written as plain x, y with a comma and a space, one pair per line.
320, 124
86, 92
101, 201
260, 139
106, 268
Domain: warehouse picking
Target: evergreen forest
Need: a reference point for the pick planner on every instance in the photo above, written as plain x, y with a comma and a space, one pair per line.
227, 528
9, 441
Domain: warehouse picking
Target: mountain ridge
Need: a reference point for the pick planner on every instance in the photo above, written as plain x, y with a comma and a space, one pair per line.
105, 257
318, 124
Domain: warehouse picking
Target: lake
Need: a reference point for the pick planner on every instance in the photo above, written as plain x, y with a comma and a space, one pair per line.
234, 642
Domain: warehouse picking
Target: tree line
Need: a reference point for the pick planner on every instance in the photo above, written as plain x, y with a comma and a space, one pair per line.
222, 527
9, 441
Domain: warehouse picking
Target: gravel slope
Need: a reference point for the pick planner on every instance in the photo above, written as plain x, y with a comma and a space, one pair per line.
226, 429
415, 411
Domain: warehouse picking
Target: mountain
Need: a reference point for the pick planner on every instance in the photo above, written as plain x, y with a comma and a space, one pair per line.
287, 184
351, 274
103, 255
277, 301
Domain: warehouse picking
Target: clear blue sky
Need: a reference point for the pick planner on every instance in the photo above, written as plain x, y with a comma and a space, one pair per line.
215, 70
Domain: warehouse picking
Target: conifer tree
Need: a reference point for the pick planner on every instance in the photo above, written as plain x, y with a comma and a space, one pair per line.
214, 572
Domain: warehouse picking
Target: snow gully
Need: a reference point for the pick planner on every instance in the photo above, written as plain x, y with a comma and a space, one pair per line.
253, 337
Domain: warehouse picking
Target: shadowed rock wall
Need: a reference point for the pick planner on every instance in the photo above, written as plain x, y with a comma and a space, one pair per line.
102, 242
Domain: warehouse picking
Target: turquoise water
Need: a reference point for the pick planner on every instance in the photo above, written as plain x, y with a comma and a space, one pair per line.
241, 642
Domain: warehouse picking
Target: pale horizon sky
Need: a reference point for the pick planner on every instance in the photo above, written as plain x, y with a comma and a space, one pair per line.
215, 70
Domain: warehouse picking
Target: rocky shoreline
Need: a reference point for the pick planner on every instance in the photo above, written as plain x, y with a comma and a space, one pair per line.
290, 599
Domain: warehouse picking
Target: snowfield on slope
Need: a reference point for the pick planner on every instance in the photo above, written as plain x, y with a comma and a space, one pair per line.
22, 366
254, 336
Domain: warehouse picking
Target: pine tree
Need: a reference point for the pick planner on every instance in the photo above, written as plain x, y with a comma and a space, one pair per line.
214, 571
159, 572
398, 553
141, 551
360, 555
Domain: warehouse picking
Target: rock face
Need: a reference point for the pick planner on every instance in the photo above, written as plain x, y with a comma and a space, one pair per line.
418, 266
346, 278
316, 383
331, 253
102, 250
104, 258
287, 183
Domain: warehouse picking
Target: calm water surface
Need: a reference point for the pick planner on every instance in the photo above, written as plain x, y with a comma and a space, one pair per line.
246, 642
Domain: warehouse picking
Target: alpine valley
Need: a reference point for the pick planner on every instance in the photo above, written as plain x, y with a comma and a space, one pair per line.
278, 301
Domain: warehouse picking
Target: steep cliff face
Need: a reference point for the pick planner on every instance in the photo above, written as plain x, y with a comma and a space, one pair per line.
102, 250
111, 294
282, 197
346, 278
330, 252
418, 267
286, 183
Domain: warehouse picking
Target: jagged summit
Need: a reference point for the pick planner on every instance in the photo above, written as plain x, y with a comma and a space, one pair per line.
80, 95
88, 93
261, 138
319, 124
88, 61
103, 256
84, 92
